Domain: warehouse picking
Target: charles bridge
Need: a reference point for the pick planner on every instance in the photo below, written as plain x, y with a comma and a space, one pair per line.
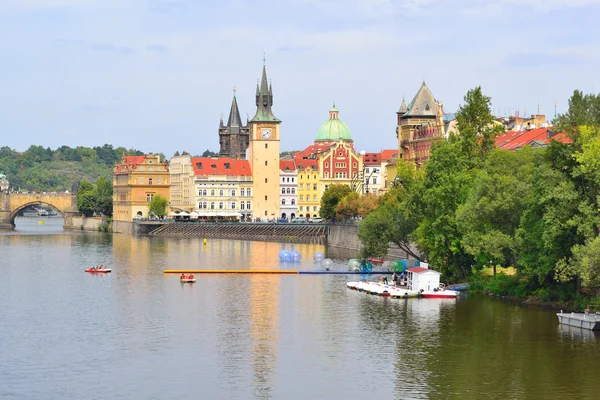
12, 203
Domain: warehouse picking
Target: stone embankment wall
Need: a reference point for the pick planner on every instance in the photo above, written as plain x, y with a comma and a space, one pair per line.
122, 227
343, 242
87, 224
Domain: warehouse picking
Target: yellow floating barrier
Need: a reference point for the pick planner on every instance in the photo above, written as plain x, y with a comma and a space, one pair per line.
230, 271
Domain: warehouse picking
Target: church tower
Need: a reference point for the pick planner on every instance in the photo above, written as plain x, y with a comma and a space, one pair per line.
263, 153
233, 138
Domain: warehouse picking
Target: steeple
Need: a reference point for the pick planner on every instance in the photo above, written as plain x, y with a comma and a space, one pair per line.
403, 107
264, 100
234, 114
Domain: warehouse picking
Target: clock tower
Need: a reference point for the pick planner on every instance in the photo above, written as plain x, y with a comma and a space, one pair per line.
263, 153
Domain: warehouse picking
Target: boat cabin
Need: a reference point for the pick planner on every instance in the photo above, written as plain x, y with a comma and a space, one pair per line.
420, 278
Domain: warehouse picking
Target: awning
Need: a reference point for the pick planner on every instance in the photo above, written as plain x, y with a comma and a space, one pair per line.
172, 214
194, 215
183, 214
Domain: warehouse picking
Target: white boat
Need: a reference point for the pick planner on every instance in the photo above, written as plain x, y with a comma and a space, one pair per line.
352, 285
192, 280
403, 293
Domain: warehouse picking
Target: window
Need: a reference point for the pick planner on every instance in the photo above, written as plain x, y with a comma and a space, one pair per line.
199, 192
266, 180
314, 198
326, 165
266, 145
266, 163
265, 198
248, 192
233, 205
301, 198
282, 190
315, 208
326, 187
288, 190
135, 181
293, 190
315, 186
233, 193
141, 180
374, 181
227, 165
159, 179
242, 192
242, 205
212, 192
293, 201
326, 174
302, 186
204, 192
367, 170
354, 165
292, 179
288, 179
314, 177
198, 165
220, 205
248, 204
283, 202
221, 192
300, 208
149, 196
212, 205
265, 213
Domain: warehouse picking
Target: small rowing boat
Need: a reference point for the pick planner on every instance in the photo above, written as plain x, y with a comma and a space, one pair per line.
187, 279
98, 270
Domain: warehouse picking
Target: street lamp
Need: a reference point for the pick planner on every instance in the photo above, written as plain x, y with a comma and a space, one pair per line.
493, 266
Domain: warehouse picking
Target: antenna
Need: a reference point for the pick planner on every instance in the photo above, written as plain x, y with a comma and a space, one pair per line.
234, 90
554, 108
264, 59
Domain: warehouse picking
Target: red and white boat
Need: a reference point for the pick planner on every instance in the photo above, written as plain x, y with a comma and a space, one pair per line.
187, 279
99, 270
439, 294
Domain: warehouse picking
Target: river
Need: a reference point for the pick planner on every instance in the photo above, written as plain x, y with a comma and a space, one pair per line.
137, 333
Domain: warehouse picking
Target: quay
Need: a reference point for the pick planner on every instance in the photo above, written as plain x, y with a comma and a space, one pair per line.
580, 320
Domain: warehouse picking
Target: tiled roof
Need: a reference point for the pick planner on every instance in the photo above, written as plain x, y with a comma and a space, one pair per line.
287, 165
423, 104
129, 161
389, 154
304, 164
204, 166
372, 159
517, 139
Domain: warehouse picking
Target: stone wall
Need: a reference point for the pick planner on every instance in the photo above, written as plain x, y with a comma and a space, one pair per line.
343, 242
86, 224
122, 227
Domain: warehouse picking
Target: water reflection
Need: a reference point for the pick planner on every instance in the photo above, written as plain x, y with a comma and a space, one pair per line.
261, 336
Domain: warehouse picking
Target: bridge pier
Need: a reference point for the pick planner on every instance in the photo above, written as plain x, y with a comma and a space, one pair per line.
5, 211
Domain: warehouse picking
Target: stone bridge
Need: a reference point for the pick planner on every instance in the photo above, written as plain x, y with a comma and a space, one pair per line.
12, 203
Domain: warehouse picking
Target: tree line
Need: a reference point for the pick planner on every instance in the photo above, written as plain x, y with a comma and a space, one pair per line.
472, 205
44, 169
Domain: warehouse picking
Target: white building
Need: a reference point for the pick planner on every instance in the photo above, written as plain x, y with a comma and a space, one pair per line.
223, 188
374, 171
182, 184
288, 178
420, 278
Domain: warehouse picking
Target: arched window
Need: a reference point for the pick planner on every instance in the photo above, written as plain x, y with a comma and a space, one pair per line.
212, 192
242, 192
242, 205
293, 201
200, 205
249, 192
221, 192
283, 202
204, 192
248, 205
293, 190
233, 193
233, 207
288, 190
212, 205
282, 190
220, 205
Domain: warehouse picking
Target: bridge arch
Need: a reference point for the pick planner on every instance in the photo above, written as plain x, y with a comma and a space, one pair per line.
14, 214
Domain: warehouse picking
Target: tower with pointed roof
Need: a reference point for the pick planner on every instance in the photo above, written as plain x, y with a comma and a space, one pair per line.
263, 152
420, 124
233, 137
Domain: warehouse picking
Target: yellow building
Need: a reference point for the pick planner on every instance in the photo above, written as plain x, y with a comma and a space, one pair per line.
263, 153
135, 182
182, 184
309, 198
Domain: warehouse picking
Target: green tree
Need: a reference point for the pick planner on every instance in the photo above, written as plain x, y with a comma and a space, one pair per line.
330, 199
584, 110
348, 206
492, 213
105, 192
208, 153
158, 206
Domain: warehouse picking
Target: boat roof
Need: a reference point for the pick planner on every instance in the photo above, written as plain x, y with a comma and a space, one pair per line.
420, 270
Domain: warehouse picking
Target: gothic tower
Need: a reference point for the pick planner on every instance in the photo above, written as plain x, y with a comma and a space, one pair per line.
233, 137
263, 153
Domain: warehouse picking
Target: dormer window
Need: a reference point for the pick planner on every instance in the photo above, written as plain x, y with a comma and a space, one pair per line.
213, 166
199, 165
227, 165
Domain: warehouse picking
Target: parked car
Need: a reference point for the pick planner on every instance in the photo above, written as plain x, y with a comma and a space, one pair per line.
299, 220
317, 220
282, 220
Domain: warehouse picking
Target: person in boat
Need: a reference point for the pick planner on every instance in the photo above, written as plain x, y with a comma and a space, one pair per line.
182, 276
395, 278
402, 278
383, 280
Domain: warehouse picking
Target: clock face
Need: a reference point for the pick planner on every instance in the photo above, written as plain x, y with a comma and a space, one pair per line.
266, 133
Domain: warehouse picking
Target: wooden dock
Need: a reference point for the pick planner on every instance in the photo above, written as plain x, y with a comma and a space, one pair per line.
580, 320
263, 232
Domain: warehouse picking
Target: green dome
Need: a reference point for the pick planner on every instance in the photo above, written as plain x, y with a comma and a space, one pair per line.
333, 129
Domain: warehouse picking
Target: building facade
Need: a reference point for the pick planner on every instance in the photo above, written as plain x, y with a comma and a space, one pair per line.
420, 124
309, 198
222, 188
182, 184
288, 178
263, 153
235, 136
136, 180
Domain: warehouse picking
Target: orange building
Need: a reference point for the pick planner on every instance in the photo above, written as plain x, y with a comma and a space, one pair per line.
136, 180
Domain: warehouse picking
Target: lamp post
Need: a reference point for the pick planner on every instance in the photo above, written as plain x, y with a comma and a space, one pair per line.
493, 266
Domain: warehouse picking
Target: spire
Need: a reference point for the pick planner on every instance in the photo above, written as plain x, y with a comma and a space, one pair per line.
221, 126
264, 99
234, 114
403, 106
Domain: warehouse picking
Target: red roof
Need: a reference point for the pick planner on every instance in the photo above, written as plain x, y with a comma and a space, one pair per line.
513, 140
389, 154
220, 166
420, 270
129, 161
372, 159
287, 165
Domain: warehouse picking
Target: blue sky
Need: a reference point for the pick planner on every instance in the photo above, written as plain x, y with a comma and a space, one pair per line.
157, 74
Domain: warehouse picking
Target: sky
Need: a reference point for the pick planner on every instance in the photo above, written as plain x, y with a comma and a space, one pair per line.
157, 75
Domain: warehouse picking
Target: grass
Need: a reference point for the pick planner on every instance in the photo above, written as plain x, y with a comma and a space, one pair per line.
489, 271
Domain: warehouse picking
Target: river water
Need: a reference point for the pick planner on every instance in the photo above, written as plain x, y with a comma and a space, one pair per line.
139, 334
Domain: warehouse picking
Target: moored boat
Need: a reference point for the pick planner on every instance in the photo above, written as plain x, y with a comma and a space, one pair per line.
439, 294
100, 270
352, 285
